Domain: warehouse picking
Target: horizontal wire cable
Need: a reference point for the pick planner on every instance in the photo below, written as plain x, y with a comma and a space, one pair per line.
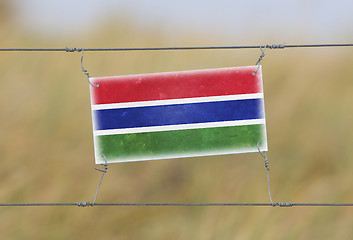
272, 46
226, 204
35, 204
184, 204
87, 204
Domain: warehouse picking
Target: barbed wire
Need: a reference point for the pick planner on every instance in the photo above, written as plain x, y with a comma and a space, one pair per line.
270, 46
88, 204
262, 47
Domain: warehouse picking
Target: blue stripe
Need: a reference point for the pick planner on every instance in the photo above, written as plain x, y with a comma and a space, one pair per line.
179, 114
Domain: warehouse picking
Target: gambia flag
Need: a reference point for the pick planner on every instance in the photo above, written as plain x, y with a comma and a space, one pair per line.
178, 114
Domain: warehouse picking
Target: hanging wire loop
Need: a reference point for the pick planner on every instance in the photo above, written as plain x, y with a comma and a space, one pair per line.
263, 154
83, 69
103, 172
260, 59
263, 48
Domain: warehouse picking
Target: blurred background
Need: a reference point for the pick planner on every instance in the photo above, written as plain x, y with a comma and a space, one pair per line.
46, 141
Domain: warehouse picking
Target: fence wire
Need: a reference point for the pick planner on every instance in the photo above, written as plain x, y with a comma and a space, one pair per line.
268, 46
88, 204
93, 204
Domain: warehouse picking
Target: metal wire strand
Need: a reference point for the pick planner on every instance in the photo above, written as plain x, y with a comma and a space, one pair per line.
263, 154
271, 46
83, 69
260, 59
86, 204
103, 172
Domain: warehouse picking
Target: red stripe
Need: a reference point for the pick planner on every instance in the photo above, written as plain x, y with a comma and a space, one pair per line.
187, 84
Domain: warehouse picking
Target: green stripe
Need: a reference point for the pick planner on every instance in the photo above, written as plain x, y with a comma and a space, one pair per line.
180, 143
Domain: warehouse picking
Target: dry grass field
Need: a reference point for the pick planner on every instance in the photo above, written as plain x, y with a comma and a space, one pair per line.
46, 145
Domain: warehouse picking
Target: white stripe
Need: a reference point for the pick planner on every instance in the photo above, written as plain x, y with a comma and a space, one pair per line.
178, 101
178, 127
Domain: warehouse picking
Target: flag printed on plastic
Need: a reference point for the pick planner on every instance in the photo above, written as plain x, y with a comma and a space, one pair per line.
178, 114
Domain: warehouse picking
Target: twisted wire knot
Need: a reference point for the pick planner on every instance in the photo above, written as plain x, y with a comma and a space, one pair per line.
68, 49
283, 204
84, 204
273, 46
276, 46
85, 71
267, 164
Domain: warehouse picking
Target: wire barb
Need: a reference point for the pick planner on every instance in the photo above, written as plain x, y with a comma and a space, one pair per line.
68, 49
285, 204
276, 46
83, 69
105, 164
84, 204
